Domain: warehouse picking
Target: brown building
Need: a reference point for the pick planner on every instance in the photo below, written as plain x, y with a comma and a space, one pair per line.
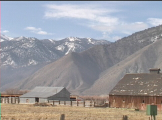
137, 90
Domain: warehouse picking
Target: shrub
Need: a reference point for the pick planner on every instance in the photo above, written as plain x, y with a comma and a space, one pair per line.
42, 104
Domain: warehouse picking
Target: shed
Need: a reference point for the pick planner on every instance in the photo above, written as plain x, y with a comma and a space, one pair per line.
45, 94
137, 90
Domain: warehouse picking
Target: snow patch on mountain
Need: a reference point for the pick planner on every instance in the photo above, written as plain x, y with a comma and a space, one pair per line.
60, 47
5, 37
32, 62
155, 38
51, 40
30, 38
73, 39
20, 38
71, 47
10, 38
90, 41
27, 45
9, 61
2, 40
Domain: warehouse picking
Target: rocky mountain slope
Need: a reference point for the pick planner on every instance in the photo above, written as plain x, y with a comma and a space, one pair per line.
22, 56
27, 51
139, 62
96, 70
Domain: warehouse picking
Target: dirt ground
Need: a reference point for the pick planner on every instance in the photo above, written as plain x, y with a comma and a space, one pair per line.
30, 112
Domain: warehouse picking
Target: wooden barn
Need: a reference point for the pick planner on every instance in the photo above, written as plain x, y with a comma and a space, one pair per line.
45, 94
137, 90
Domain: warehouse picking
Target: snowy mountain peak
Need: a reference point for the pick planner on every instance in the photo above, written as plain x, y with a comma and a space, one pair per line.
24, 38
72, 38
19, 38
32, 38
4, 37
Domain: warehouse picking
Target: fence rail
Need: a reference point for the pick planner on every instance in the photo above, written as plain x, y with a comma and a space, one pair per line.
74, 103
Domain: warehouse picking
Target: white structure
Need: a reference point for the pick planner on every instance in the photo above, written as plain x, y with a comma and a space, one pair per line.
44, 94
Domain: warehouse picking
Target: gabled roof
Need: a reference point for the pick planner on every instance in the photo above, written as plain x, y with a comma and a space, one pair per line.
147, 84
43, 92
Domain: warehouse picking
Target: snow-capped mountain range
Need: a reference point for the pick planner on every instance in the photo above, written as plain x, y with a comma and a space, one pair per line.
32, 62
27, 51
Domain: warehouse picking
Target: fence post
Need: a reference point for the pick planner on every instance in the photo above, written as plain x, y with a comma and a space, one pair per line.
125, 117
84, 103
11, 99
18, 100
62, 117
77, 102
71, 103
53, 102
15, 99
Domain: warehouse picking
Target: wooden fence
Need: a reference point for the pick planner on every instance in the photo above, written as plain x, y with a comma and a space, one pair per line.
74, 103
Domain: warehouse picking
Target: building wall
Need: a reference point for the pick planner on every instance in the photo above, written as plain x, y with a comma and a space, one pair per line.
63, 95
32, 100
27, 100
136, 102
9, 99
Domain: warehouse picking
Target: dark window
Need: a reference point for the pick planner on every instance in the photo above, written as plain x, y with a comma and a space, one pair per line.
72, 99
36, 99
143, 101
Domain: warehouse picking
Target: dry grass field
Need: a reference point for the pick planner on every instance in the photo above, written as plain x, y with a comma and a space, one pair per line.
30, 112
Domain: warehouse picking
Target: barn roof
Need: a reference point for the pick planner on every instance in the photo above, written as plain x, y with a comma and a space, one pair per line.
148, 84
43, 92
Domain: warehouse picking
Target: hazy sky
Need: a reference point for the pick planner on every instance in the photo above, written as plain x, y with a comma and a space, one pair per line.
108, 20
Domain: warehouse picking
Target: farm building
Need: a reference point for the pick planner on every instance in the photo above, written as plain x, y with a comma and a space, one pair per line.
9, 98
45, 94
138, 90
